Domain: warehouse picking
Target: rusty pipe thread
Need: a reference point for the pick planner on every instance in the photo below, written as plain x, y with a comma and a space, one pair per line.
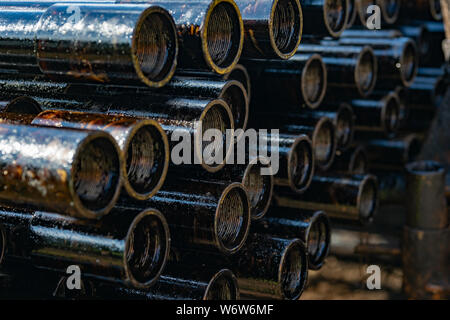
286, 27
83, 168
143, 143
259, 187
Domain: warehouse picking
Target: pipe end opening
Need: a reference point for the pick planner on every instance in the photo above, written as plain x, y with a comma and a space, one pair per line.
294, 270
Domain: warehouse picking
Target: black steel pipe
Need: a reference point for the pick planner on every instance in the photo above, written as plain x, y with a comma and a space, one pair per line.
300, 80
128, 246
426, 92
273, 28
272, 267
393, 154
312, 227
138, 42
352, 14
205, 215
398, 58
351, 69
379, 116
239, 73
346, 197
296, 160
69, 171
143, 144
232, 91
361, 32
181, 285
325, 17
351, 161
425, 193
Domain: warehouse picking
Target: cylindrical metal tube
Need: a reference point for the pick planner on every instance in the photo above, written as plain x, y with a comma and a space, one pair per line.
390, 10
394, 153
272, 267
138, 42
273, 28
351, 69
20, 105
381, 115
344, 197
143, 143
69, 171
375, 34
422, 9
352, 161
232, 91
312, 227
343, 119
426, 92
208, 215
325, 17
128, 246
296, 160
239, 73
181, 285
352, 14
300, 80
322, 133
398, 58
425, 195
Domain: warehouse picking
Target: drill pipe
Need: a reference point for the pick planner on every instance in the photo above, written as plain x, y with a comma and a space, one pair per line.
143, 144
322, 133
205, 215
393, 154
425, 193
342, 117
353, 197
181, 285
422, 9
378, 116
273, 267
352, 14
273, 28
312, 227
239, 73
398, 58
300, 80
432, 42
127, 246
351, 69
426, 92
232, 91
325, 17
138, 42
19, 105
351, 161
296, 160
259, 187
69, 171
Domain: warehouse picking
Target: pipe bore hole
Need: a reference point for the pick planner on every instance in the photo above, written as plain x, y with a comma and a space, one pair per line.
344, 127
259, 189
293, 271
368, 200
286, 26
366, 72
335, 15
392, 115
223, 34
222, 287
23, 105
96, 174
409, 65
145, 159
237, 101
359, 163
318, 242
232, 219
324, 143
146, 249
301, 164
155, 46
313, 81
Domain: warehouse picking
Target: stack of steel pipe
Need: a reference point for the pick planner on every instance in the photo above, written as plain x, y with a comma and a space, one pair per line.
203, 150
